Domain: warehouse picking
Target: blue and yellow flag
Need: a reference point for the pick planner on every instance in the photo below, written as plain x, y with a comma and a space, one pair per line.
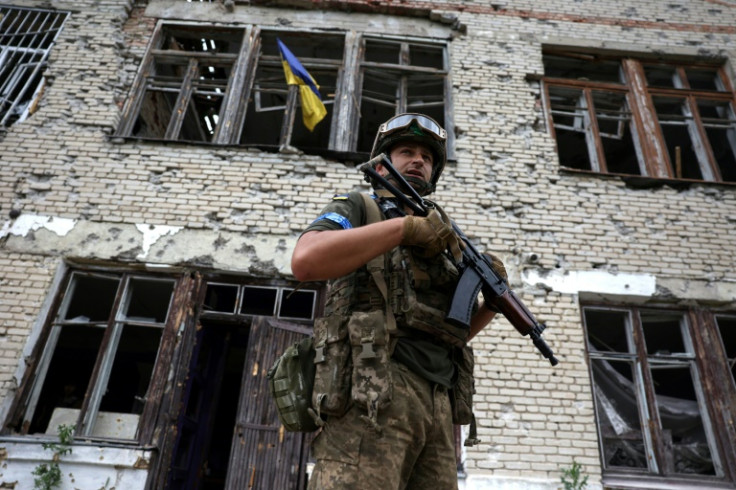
313, 110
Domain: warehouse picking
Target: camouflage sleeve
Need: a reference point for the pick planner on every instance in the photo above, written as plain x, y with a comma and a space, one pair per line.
345, 211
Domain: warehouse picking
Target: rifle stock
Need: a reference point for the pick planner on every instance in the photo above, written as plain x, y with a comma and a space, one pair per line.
476, 272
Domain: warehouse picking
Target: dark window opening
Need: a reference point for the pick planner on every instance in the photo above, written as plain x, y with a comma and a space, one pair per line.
221, 297
297, 304
400, 76
663, 334
259, 301
69, 373
678, 130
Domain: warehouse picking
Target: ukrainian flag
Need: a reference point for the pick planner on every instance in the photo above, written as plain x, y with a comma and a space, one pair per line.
313, 110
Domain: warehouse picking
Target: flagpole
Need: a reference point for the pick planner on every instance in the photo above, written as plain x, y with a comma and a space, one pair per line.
289, 116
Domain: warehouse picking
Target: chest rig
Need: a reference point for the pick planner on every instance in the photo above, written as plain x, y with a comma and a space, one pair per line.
395, 295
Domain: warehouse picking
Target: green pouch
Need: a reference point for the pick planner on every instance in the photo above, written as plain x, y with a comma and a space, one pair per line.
290, 380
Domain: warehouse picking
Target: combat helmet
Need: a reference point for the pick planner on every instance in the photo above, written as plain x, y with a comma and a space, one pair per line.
416, 127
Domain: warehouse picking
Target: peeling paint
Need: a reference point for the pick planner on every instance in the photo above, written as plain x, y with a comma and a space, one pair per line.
152, 233
26, 223
593, 281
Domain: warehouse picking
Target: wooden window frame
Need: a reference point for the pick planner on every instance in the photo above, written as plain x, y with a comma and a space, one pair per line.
711, 376
25, 403
344, 104
651, 151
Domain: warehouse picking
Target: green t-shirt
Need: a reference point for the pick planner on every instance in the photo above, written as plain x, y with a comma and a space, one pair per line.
429, 359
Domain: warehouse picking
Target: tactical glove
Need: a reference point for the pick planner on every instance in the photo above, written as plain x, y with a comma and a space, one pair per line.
497, 266
499, 269
429, 233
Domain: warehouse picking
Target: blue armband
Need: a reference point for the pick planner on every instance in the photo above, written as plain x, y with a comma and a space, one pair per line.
336, 218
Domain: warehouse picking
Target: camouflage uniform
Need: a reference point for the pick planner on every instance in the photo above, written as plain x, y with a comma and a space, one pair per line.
410, 443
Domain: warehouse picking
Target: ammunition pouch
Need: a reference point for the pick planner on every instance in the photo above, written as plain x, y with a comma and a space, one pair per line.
333, 366
461, 395
372, 383
420, 293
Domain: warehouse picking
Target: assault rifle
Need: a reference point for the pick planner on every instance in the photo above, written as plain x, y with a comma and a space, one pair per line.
476, 273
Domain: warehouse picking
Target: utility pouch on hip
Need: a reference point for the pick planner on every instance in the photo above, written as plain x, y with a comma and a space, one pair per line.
333, 366
372, 383
461, 395
290, 382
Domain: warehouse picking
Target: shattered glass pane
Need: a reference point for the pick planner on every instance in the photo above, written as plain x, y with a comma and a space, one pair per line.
618, 414
614, 126
572, 124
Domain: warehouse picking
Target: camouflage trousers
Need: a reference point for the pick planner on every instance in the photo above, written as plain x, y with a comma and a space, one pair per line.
415, 449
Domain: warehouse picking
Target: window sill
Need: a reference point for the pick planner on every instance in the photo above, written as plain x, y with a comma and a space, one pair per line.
647, 182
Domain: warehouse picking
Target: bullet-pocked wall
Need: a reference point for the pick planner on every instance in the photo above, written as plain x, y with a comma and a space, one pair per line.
75, 192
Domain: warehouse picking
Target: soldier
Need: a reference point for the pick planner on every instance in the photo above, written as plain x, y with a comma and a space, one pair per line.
386, 358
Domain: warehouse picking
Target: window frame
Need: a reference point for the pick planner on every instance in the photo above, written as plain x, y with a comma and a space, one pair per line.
25, 59
345, 117
654, 160
25, 404
186, 307
717, 399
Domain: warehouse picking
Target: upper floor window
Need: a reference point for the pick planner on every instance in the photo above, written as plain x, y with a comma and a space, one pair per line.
226, 85
664, 394
26, 37
664, 120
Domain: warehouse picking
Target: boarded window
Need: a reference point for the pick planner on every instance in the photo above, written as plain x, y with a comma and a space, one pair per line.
630, 117
26, 38
226, 85
655, 407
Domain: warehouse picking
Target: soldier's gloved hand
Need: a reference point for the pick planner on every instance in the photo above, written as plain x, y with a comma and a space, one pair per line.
498, 268
429, 233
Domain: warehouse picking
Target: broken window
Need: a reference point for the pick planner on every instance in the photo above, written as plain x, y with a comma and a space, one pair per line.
177, 362
97, 363
654, 406
727, 333
26, 38
631, 117
226, 85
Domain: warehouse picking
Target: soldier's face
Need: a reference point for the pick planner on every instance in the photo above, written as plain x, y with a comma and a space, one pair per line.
411, 160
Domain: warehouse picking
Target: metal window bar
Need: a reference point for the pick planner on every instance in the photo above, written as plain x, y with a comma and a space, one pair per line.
26, 38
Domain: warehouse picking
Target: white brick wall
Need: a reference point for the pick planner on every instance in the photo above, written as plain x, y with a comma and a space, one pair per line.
506, 191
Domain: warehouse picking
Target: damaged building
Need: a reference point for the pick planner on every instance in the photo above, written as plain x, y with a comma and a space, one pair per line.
156, 174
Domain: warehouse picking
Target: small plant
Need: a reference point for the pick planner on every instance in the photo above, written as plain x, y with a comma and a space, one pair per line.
571, 477
48, 476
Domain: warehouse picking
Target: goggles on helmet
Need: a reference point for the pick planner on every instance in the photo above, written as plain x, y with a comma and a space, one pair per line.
403, 121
